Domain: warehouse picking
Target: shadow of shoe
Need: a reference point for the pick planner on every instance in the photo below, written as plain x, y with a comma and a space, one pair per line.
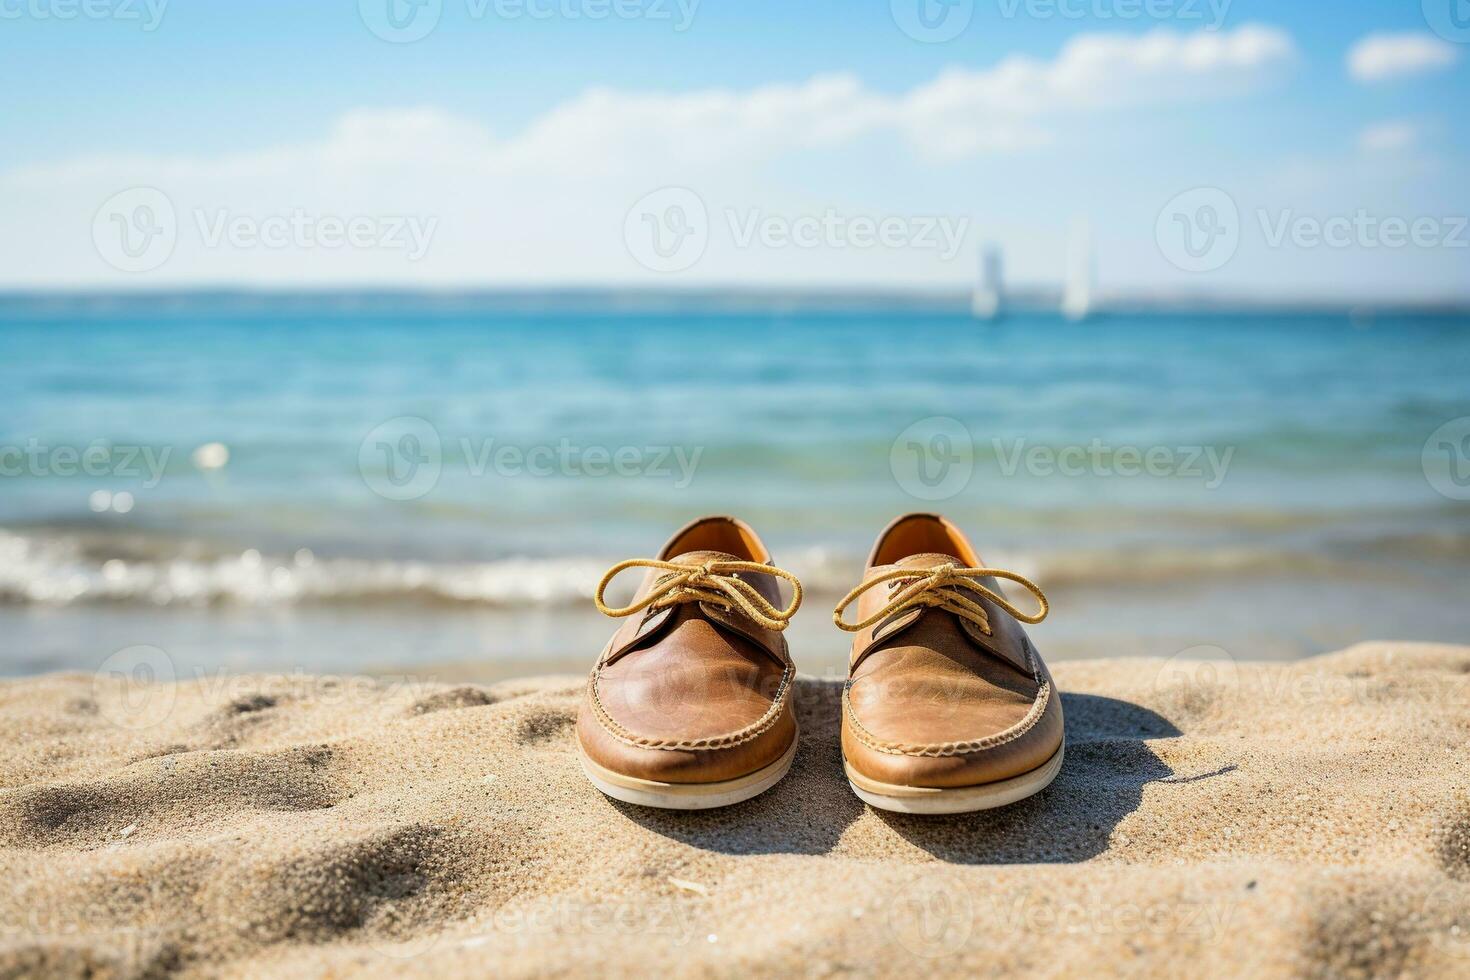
1101, 782
805, 813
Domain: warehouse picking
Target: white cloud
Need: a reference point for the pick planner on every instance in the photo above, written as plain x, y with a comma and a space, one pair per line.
960, 112
1379, 57
534, 204
1390, 136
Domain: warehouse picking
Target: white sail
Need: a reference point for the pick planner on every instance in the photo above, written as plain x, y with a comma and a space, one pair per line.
986, 301
1077, 292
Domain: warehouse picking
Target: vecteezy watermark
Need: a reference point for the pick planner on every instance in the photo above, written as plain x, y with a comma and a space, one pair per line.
1362, 229
406, 21
1043, 913
1211, 12
97, 459
933, 459
933, 915
1445, 912
400, 21
1208, 672
668, 230
137, 230
569, 917
1199, 230
1446, 459
932, 21
298, 228
831, 229
1100, 459
147, 14
225, 687
936, 21
1198, 671
404, 458
133, 688
138, 686
1450, 19
90, 915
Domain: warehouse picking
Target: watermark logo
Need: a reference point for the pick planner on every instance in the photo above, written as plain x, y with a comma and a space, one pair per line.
560, 917
1208, 672
937, 21
136, 230
670, 229
1198, 670
1199, 230
1446, 459
1119, 10
932, 916
933, 459
932, 21
667, 230
1209, 464
406, 21
302, 229
396, 947
400, 21
148, 14
97, 460
1450, 19
134, 687
402, 458
1447, 910
831, 229
1362, 229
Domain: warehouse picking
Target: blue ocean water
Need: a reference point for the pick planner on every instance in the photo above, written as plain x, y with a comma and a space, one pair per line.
287, 480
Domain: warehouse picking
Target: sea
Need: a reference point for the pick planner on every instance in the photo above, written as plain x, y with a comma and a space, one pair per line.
336, 483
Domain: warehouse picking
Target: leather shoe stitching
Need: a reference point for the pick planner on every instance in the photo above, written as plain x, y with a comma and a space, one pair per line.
942, 749
749, 733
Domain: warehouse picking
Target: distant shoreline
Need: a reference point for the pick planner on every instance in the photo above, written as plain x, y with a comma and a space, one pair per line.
757, 299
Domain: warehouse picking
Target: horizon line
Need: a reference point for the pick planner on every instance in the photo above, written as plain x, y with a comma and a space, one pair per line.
1021, 299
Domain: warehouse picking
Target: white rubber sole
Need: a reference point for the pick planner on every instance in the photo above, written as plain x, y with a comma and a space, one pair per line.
962, 799
686, 796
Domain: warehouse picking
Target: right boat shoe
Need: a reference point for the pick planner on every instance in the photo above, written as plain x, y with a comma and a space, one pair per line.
948, 707
690, 703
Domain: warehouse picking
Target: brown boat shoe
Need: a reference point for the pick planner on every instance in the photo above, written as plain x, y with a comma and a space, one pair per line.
948, 707
690, 703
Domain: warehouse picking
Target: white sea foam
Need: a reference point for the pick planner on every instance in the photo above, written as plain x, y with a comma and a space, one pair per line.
59, 570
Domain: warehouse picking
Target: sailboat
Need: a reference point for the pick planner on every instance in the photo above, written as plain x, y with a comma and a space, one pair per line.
1077, 292
986, 300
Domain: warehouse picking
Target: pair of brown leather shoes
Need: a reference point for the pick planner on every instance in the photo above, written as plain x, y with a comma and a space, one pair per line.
947, 708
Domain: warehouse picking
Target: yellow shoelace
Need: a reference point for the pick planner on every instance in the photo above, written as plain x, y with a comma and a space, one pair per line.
711, 581
935, 587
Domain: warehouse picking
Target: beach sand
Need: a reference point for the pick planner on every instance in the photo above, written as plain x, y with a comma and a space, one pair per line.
1223, 819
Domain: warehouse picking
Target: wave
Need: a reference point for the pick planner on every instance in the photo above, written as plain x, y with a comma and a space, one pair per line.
61, 569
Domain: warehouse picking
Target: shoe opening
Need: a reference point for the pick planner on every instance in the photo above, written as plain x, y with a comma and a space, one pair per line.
922, 534
727, 535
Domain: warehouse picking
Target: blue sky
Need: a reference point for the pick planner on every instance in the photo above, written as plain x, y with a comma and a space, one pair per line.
231, 111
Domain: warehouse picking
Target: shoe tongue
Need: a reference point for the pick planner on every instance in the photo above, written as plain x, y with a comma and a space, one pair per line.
700, 557
927, 561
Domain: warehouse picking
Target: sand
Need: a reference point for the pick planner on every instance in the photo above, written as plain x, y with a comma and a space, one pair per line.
1223, 819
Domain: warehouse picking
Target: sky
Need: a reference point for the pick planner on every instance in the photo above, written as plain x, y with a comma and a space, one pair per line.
1251, 148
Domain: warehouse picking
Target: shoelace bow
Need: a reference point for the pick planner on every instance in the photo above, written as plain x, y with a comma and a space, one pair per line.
935, 588
711, 581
